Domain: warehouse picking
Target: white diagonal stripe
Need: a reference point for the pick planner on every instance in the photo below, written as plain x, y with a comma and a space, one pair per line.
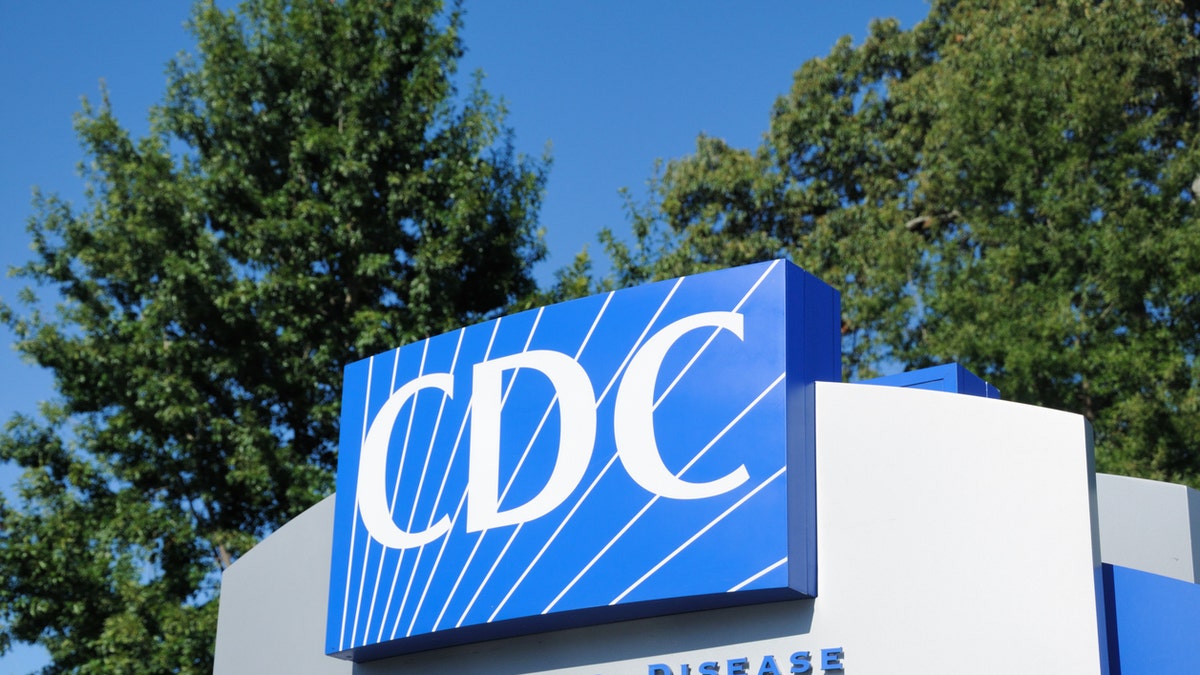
699, 534
759, 575
637, 343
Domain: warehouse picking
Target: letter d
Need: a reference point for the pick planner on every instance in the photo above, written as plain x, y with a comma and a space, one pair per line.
577, 436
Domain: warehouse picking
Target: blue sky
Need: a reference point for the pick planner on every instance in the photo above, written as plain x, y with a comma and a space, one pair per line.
610, 86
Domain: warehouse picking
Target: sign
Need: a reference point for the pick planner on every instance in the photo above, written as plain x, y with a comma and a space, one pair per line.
637, 453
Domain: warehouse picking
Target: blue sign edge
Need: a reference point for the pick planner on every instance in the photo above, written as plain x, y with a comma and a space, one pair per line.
814, 354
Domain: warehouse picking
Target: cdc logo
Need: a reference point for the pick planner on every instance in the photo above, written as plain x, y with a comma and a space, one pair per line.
638, 453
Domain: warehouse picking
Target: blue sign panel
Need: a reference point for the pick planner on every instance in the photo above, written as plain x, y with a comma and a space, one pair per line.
638, 453
949, 377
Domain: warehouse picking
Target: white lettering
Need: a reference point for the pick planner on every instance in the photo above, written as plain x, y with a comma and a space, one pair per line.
372, 469
633, 415
633, 427
577, 436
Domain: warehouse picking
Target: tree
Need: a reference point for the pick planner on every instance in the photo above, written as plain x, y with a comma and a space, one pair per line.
313, 191
1012, 186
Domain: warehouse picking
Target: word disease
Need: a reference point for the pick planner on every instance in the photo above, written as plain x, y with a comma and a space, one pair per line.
798, 662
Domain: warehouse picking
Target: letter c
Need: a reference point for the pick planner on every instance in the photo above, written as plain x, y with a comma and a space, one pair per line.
633, 413
372, 469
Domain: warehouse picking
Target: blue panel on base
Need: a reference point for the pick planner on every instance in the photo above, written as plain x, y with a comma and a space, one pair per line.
1155, 621
643, 452
950, 377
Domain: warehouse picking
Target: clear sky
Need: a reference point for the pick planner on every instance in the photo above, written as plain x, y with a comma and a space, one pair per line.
611, 86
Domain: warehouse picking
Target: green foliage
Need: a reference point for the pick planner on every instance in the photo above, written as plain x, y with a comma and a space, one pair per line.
313, 191
1010, 185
